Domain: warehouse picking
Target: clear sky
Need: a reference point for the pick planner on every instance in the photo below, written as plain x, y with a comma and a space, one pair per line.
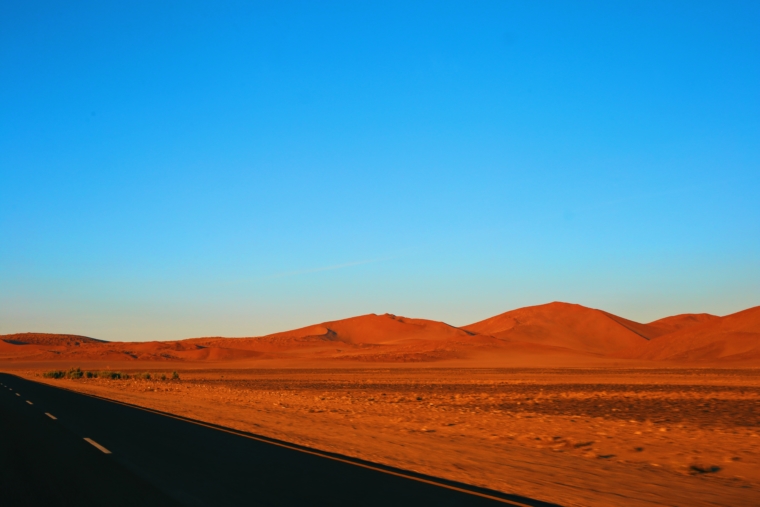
178, 169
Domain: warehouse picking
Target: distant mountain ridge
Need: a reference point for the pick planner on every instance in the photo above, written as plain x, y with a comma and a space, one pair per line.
561, 333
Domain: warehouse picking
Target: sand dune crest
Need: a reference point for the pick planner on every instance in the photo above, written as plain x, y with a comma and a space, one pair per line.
551, 334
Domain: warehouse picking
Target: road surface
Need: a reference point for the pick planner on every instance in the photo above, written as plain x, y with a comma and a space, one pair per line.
61, 448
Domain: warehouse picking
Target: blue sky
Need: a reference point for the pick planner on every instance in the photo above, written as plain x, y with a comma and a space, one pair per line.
178, 169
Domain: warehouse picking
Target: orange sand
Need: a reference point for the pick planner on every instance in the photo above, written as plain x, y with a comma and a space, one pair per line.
555, 334
618, 432
593, 437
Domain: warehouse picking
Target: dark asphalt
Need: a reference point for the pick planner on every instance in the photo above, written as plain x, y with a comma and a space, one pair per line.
160, 460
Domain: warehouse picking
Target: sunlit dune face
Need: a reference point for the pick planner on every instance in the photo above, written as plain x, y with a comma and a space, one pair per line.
555, 334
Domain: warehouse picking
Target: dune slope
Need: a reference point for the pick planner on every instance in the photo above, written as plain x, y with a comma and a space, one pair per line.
735, 337
48, 339
379, 329
683, 321
566, 325
554, 333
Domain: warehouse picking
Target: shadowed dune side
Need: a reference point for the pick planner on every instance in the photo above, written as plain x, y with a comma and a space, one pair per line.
646, 331
733, 338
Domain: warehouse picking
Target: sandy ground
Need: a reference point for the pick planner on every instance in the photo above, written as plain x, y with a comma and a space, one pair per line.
571, 436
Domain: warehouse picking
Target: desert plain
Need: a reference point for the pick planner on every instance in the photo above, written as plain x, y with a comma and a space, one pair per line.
558, 402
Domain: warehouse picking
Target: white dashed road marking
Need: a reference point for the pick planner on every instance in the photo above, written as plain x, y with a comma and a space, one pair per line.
17, 394
29, 402
51, 416
94, 443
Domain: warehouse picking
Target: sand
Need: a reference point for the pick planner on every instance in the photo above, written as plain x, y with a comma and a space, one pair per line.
554, 334
592, 437
557, 402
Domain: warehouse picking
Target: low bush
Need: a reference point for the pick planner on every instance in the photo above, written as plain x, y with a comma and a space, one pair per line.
75, 373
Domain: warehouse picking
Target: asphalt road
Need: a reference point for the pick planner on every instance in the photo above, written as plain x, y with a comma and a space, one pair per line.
62, 448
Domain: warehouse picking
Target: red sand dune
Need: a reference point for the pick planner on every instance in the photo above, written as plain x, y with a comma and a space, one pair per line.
732, 338
554, 333
678, 322
10, 350
377, 338
47, 339
28, 345
564, 325
377, 329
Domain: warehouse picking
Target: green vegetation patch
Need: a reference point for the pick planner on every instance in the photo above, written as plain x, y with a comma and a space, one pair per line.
78, 373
